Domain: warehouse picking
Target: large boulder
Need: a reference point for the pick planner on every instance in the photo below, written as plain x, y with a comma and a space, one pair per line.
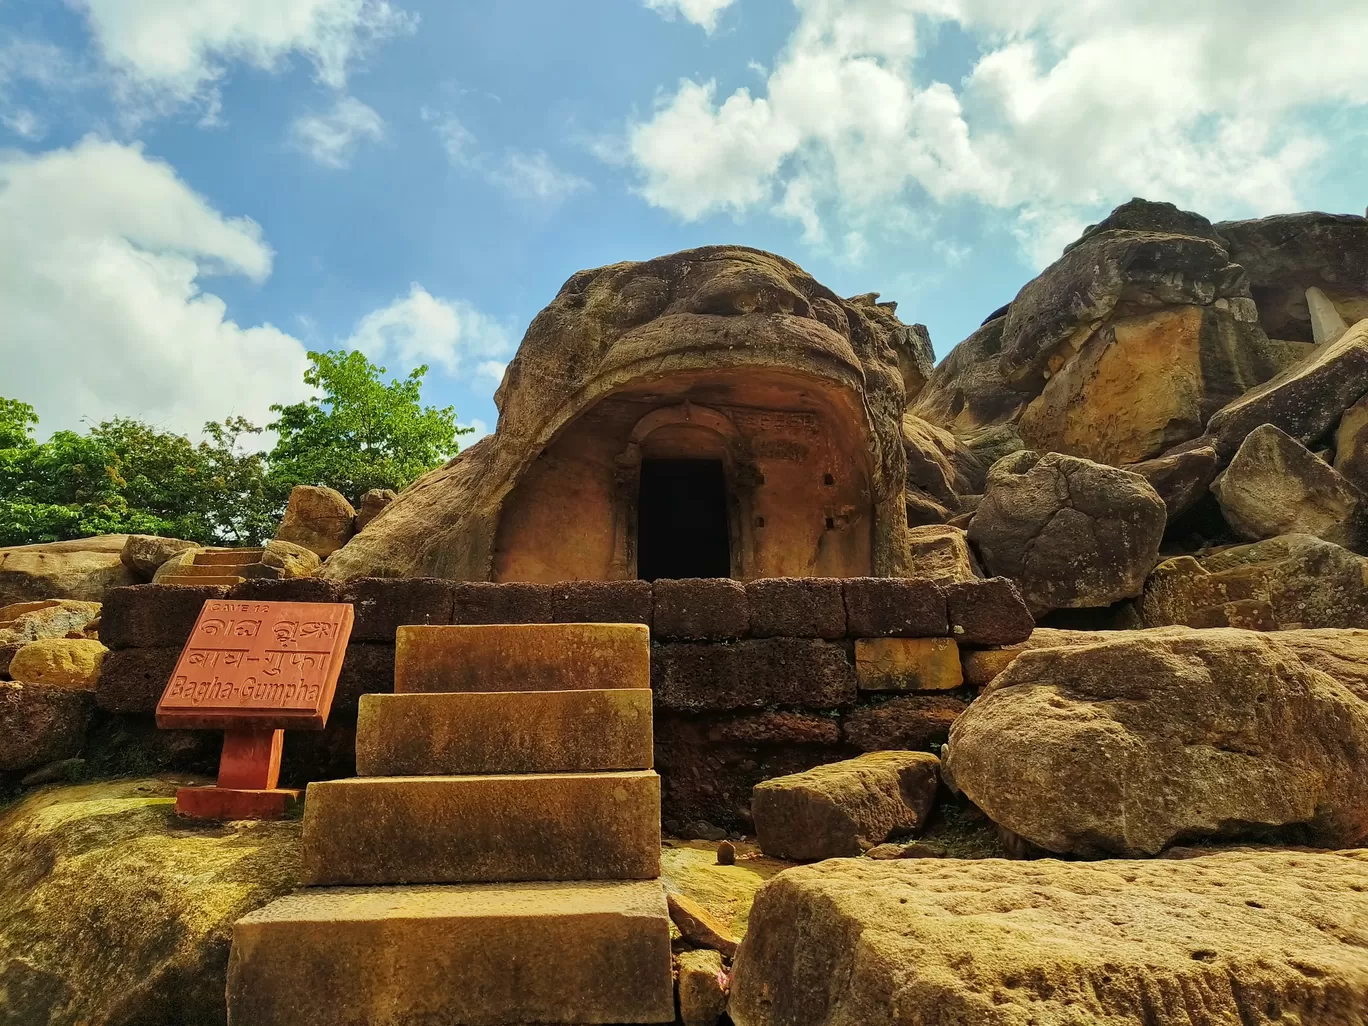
320, 519
1146, 738
47, 618
1181, 478
938, 465
1287, 254
1275, 485
941, 553
289, 560
145, 553
1283, 583
83, 569
719, 311
1351, 444
68, 662
372, 504
967, 392
842, 808
116, 912
1306, 400
1070, 532
1232, 937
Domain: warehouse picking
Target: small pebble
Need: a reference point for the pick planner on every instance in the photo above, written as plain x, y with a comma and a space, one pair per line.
726, 854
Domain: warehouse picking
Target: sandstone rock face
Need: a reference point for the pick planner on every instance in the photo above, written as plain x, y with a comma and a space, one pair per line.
319, 519
66, 662
83, 569
967, 392
373, 503
1289, 253
1283, 583
46, 618
1238, 937
1275, 485
290, 560
841, 808
1142, 739
1351, 444
40, 723
720, 310
1306, 400
939, 468
1180, 478
165, 899
941, 553
145, 553
1070, 532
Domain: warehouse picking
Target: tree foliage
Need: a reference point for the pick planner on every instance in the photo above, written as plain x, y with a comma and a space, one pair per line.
124, 476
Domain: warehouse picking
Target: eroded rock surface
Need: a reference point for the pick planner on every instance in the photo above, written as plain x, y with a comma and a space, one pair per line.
1238, 937
319, 519
83, 569
1142, 739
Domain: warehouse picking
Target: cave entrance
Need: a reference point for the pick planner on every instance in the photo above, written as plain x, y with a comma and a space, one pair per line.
682, 520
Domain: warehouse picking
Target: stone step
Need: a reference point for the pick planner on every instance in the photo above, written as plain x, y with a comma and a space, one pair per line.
504, 732
472, 954
482, 829
522, 657
202, 582
228, 557
208, 570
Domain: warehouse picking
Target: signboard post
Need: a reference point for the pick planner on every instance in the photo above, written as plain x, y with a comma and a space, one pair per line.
252, 670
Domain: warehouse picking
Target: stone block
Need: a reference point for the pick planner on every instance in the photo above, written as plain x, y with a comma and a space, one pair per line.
878, 607
942, 553
796, 607
990, 612
778, 727
504, 732
153, 615
601, 602
296, 589
919, 722
702, 994
40, 723
68, 662
383, 604
464, 829
133, 679
484, 953
367, 669
700, 609
908, 664
838, 810
481, 602
806, 672
522, 657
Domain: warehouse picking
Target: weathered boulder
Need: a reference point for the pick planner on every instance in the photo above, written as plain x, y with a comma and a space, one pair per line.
83, 569
941, 553
144, 553
116, 912
702, 988
1275, 485
1181, 478
844, 807
290, 560
40, 723
1142, 739
67, 662
1289, 582
1233, 937
47, 618
1306, 400
697, 925
373, 503
1351, 444
726, 311
320, 519
984, 664
967, 393
1287, 254
938, 465
1070, 532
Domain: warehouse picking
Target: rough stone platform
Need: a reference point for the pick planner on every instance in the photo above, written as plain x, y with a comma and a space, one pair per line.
476, 954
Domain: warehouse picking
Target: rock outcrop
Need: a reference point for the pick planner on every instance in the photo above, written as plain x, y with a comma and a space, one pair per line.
1144, 739
1293, 581
1238, 937
83, 569
319, 519
145, 553
1069, 532
1275, 485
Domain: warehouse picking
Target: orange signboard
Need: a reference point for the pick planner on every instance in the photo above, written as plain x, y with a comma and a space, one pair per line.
258, 666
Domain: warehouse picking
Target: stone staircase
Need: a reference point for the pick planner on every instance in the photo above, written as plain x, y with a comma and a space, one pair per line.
218, 566
496, 860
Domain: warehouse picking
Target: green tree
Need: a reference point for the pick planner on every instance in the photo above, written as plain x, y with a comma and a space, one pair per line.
361, 432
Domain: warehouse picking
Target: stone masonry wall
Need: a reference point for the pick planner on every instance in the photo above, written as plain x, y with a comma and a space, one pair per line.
751, 680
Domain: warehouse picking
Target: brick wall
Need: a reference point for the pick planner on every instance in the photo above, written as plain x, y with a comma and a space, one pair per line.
751, 680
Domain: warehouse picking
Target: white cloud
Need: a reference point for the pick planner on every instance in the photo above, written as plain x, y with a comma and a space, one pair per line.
24, 123
170, 52
703, 13
478, 430
423, 328
102, 254
1071, 107
331, 138
530, 176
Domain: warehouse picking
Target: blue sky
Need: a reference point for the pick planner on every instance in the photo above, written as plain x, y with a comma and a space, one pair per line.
194, 192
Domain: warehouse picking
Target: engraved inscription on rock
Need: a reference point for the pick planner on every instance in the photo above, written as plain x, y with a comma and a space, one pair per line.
259, 665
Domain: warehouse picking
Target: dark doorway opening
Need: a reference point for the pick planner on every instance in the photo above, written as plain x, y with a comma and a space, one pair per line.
682, 520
